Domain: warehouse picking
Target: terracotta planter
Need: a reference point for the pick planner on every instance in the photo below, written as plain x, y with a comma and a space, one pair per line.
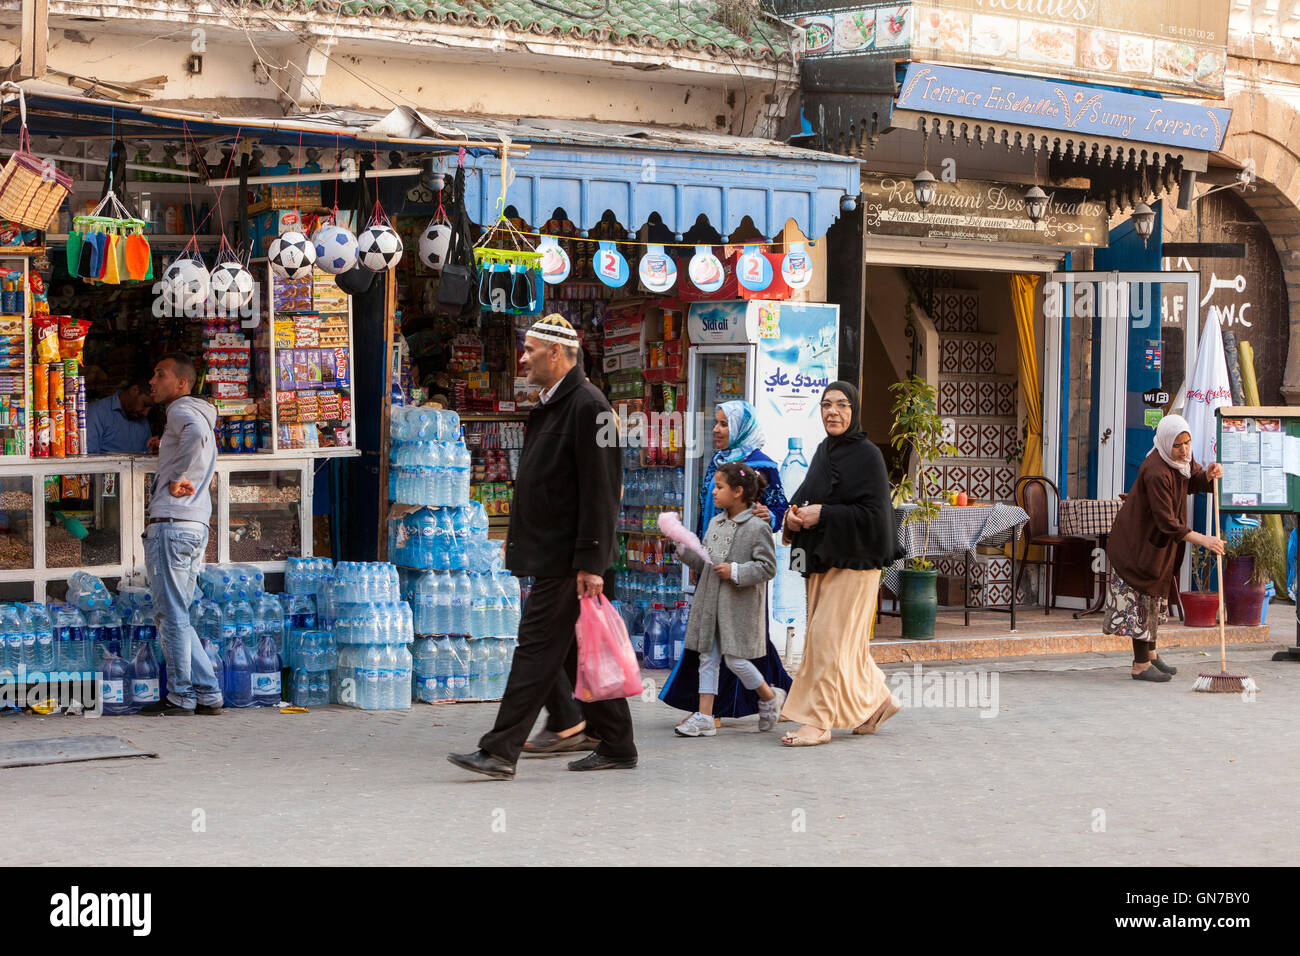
1200, 608
1245, 600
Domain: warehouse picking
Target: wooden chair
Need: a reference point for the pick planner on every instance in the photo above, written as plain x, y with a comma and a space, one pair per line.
1035, 493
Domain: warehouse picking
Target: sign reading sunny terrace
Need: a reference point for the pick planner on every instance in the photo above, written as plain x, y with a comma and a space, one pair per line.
1175, 46
1003, 98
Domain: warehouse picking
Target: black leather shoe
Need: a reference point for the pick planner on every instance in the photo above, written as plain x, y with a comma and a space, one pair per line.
480, 761
165, 708
548, 742
1159, 663
208, 710
595, 761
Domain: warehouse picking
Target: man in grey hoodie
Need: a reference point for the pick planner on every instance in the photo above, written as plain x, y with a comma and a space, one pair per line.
176, 536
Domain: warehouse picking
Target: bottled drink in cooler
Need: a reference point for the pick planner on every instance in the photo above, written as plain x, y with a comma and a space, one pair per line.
788, 592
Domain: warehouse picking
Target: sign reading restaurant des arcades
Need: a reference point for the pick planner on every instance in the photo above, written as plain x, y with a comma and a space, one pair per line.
983, 211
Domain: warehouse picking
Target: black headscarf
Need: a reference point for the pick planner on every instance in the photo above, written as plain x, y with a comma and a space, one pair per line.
848, 479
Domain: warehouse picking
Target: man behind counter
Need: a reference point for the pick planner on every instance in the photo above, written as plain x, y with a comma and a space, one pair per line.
119, 424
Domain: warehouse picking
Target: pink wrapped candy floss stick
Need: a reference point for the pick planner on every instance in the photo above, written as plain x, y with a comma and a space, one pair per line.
670, 525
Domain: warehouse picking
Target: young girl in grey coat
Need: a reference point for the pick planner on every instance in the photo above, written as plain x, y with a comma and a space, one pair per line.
729, 610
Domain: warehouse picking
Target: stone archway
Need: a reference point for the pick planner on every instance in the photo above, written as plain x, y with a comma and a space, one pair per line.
1259, 131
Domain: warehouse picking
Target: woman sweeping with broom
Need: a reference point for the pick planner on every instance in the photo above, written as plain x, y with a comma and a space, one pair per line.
1146, 541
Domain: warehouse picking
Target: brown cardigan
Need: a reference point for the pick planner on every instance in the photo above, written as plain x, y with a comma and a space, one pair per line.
1151, 524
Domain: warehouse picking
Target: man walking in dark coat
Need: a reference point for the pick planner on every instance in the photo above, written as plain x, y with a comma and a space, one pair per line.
563, 524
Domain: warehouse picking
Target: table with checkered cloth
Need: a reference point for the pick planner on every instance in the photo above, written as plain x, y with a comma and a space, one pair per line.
954, 532
1086, 517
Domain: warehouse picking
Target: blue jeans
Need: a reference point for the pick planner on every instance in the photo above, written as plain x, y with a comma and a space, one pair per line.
173, 553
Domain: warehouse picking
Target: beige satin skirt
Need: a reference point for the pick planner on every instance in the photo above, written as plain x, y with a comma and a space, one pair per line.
838, 685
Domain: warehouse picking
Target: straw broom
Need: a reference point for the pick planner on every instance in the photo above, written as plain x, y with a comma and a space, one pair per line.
1222, 682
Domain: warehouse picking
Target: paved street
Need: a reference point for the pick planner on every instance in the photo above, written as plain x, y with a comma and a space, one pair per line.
1079, 765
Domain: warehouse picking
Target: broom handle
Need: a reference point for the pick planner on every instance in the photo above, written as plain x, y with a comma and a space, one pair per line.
1218, 566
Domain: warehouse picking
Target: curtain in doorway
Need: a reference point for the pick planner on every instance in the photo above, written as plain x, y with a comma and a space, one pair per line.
1023, 288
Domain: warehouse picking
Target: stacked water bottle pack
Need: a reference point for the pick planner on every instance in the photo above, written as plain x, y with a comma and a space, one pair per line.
483, 606
658, 633
372, 627
428, 461
242, 629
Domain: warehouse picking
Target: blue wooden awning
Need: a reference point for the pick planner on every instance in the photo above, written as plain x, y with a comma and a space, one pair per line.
678, 184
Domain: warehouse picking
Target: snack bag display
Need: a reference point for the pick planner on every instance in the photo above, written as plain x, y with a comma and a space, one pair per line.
72, 337
45, 329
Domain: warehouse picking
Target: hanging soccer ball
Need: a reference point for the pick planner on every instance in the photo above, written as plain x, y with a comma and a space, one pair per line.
292, 256
185, 285
231, 286
336, 249
434, 243
380, 248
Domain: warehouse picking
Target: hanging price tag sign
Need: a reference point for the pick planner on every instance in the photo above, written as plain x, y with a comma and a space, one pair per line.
611, 268
658, 271
753, 270
796, 267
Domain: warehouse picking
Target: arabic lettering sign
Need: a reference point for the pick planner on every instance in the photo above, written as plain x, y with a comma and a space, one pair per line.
982, 211
1168, 45
998, 97
794, 381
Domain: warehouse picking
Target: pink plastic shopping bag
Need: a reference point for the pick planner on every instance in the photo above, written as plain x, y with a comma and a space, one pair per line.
607, 667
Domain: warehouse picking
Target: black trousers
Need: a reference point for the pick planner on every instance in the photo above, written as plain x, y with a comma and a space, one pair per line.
545, 667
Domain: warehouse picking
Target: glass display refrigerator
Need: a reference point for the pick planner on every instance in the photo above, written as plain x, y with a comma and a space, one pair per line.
779, 357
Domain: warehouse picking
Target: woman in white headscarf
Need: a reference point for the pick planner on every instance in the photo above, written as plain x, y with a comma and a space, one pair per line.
1146, 544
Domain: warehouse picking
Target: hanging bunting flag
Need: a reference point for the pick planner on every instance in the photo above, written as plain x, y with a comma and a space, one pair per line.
796, 267
555, 261
611, 268
753, 270
706, 270
658, 271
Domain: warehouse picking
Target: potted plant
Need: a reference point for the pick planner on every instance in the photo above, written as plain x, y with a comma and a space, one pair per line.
1252, 559
1200, 605
918, 427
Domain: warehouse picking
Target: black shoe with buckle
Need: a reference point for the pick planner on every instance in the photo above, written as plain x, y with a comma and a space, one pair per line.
490, 765
597, 761
165, 708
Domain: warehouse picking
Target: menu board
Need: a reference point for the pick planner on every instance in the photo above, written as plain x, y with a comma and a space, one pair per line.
1260, 456
1168, 45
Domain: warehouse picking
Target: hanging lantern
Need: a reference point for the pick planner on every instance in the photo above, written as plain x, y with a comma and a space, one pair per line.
1035, 204
924, 188
1144, 221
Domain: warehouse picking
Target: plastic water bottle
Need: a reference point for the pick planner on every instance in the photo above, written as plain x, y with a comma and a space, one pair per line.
105, 627
214, 657
269, 617
266, 674
461, 602
677, 633
211, 619
402, 664
144, 678
237, 667
114, 686
71, 652
368, 678
788, 591
460, 664
657, 647
460, 469
11, 639
424, 662
442, 668
239, 613
513, 605
496, 670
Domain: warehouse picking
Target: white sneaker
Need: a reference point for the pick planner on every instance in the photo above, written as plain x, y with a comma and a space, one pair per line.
696, 725
769, 711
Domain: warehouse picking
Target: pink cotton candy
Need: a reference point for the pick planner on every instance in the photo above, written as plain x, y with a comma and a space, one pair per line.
670, 525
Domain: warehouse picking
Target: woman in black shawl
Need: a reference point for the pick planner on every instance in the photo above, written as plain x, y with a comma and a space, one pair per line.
841, 530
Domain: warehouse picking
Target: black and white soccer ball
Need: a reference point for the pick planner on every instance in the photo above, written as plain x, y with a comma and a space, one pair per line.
434, 243
291, 256
231, 286
336, 249
380, 248
185, 284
